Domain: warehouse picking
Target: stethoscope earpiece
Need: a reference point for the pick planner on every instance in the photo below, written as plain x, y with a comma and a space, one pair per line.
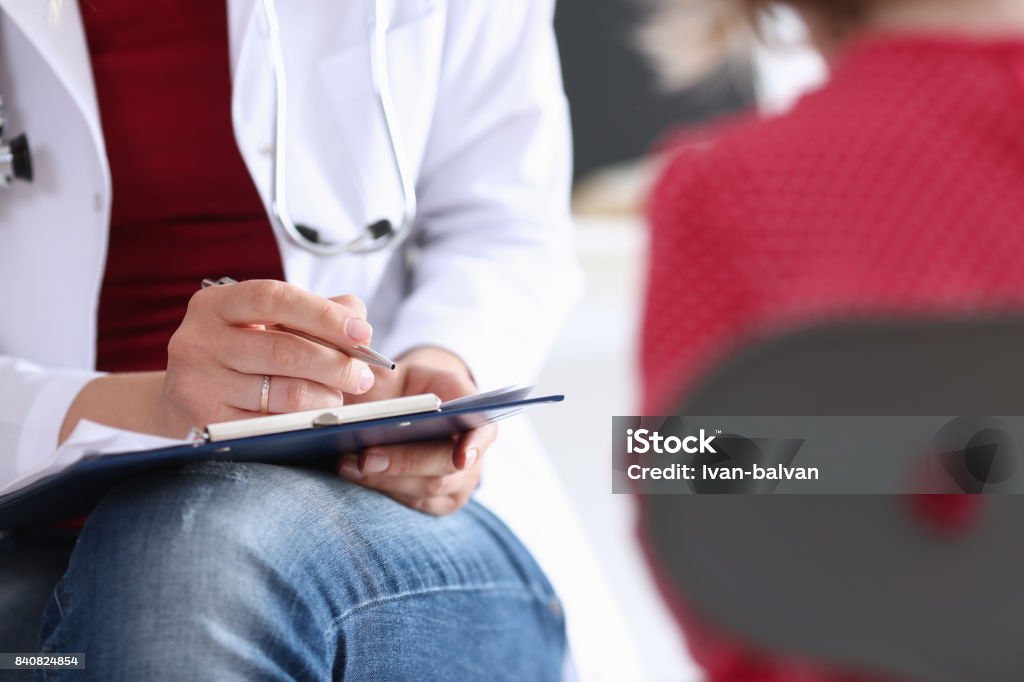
15, 156
308, 233
21, 157
381, 229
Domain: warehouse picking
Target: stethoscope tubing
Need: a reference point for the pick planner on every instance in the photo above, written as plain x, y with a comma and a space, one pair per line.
382, 87
15, 160
368, 242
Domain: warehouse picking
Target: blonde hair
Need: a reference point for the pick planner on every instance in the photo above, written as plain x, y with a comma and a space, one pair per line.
685, 39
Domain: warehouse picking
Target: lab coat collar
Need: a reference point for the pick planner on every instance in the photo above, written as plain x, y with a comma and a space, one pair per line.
61, 42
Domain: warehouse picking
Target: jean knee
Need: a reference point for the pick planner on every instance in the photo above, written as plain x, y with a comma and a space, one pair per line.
219, 521
210, 529
230, 553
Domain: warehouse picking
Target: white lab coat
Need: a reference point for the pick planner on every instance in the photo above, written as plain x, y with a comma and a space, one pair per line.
483, 121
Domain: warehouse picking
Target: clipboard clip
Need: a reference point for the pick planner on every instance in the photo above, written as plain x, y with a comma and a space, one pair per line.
198, 436
326, 419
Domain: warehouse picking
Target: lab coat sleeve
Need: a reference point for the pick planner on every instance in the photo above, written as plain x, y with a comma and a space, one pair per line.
33, 403
496, 273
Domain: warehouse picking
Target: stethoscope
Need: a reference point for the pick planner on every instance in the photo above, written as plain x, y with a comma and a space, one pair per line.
381, 234
16, 159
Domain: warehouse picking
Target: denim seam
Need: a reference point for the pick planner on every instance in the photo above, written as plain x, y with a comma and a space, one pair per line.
58, 600
526, 593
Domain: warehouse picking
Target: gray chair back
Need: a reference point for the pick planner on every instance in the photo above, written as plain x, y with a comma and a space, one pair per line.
856, 581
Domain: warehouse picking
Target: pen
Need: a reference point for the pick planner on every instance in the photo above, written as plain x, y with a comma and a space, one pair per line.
359, 352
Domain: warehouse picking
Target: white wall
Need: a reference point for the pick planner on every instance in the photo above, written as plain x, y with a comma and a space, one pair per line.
594, 365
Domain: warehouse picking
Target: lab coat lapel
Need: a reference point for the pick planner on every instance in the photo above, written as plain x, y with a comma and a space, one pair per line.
61, 42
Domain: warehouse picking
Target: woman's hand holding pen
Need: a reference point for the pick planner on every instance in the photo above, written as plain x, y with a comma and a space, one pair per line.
226, 344
436, 478
218, 357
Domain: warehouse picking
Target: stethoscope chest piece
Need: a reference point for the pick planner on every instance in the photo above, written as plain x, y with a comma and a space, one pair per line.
15, 157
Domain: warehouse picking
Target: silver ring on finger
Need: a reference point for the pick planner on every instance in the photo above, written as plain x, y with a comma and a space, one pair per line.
265, 394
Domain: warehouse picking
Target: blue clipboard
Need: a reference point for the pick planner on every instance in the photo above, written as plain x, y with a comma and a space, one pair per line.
76, 490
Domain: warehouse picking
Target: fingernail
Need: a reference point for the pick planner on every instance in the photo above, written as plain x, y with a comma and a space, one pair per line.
350, 468
358, 330
471, 455
376, 462
366, 380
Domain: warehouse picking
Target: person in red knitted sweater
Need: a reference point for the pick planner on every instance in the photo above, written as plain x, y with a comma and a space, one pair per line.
897, 188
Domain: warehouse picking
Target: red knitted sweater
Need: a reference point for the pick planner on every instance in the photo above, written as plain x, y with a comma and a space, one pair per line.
898, 188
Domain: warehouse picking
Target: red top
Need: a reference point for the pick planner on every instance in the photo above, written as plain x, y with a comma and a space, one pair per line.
184, 205
898, 188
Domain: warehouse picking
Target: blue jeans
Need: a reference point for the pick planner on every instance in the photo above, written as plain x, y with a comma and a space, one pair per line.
257, 572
